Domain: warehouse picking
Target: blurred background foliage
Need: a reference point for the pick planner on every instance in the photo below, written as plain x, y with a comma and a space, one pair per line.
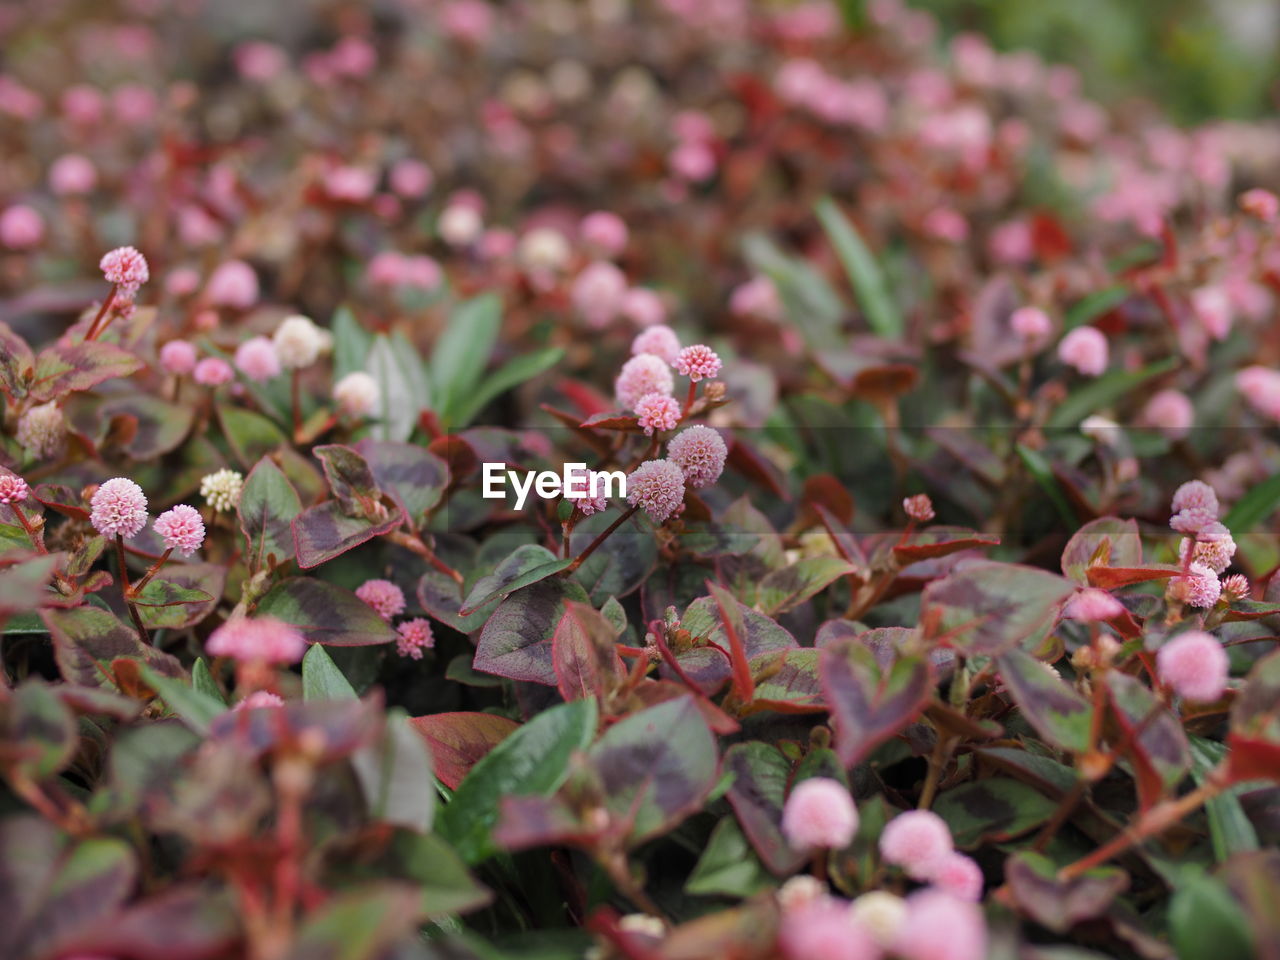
1201, 59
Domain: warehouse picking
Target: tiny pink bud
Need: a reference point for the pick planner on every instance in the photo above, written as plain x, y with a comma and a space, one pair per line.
919, 508
1194, 665
914, 841
1084, 348
413, 637
657, 413
384, 596
697, 362
819, 814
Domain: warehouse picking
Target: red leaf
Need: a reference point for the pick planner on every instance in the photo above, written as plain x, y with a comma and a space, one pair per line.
459, 740
1109, 578
731, 618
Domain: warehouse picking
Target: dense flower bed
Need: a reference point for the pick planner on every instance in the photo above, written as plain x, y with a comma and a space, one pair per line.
936, 620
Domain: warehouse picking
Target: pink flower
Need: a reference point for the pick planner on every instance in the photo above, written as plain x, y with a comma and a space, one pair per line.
213, 372
350, 184
701, 452
1194, 665
82, 104
941, 926
914, 841
657, 411
1235, 587
118, 508
257, 640
1092, 605
386, 269
593, 499
1031, 324
182, 281
21, 227
644, 307
414, 636
1213, 546
657, 486
598, 291
825, 929
959, 875
256, 359
758, 297
1199, 587
178, 357
13, 489
604, 231
233, 284
943, 223
421, 273
72, 175
697, 362
1170, 412
259, 700
1260, 203
134, 105
693, 162
384, 596
1084, 348
411, 178
642, 374
1195, 505
1261, 388
181, 528
819, 814
1012, 243
468, 21
259, 61
919, 508
660, 340
1212, 308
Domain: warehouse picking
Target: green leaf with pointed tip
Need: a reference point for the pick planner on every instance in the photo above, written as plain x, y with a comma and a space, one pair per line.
40, 729
527, 564
992, 809
166, 593
1230, 830
865, 275
321, 678
360, 924
402, 388
268, 504
1259, 503
1056, 711
462, 353
250, 435
197, 710
507, 377
351, 342
810, 302
1206, 922
395, 775
728, 866
516, 641
1104, 391
325, 613
202, 681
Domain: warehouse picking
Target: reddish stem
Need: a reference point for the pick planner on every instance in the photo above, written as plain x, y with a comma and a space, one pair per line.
128, 592
94, 332
591, 547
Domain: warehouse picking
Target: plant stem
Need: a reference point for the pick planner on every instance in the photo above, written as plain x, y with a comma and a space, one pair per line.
591, 547
941, 753
36, 539
128, 592
294, 397
102, 312
146, 578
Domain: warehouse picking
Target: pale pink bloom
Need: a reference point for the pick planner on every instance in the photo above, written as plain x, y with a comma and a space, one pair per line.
644, 307
1084, 348
72, 175
798, 81
181, 528
819, 814
413, 637
959, 875
258, 61
411, 178
941, 926
118, 508
880, 913
213, 372
460, 224
385, 269
42, 430
1213, 546
421, 272
259, 700
758, 297
919, 508
660, 340
914, 841
197, 227
182, 281
126, 268
692, 161
468, 21
82, 104
657, 412
642, 374
1194, 665
1170, 412
18, 101
205, 320
593, 499
598, 291
1195, 506
657, 486
974, 59
13, 489
544, 251
357, 394
256, 359
134, 105
701, 452
21, 227
1261, 388
353, 57
943, 223
825, 929
604, 231
1083, 120
1212, 307
1199, 587
383, 596
497, 243
1260, 203
1235, 587
698, 362
1031, 324
1092, 604
232, 284
692, 125
350, 184
257, 640
178, 357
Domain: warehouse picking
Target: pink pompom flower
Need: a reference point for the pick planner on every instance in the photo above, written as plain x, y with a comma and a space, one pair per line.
1260, 203
118, 508
643, 374
957, 874
1213, 546
697, 362
383, 596
181, 528
21, 227
1092, 604
644, 307
592, 499
232, 284
213, 372
660, 340
919, 508
413, 637
1170, 412
1261, 388
1031, 324
657, 412
1085, 349
126, 268
257, 640
256, 359
13, 489
941, 926
1199, 587
657, 487
411, 178
72, 174
604, 231
597, 293
178, 357
915, 841
1195, 506
1194, 665
825, 929
819, 815
259, 700
701, 452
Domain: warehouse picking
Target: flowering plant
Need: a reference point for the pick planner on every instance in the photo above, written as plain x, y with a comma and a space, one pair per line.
937, 620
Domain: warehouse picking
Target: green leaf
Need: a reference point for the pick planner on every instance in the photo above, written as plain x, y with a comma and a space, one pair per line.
268, 504
251, 435
1041, 471
324, 531
1230, 830
728, 866
516, 641
1206, 923
202, 680
761, 774
993, 809
16, 361
424, 859
1093, 305
325, 613
402, 388
40, 730
166, 593
863, 271
785, 589
197, 710
810, 302
1105, 390
395, 775
462, 353
160, 426
415, 477
321, 678
361, 924
1056, 711
1107, 542
1060, 904
351, 342
1259, 503
88, 639
507, 377
532, 761
526, 565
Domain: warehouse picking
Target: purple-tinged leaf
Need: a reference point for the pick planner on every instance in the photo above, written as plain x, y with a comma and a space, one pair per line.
1056, 711
341, 727
1105, 542
16, 362
870, 704
64, 368
785, 681
323, 532
250, 435
940, 542
268, 504
761, 774
360, 924
159, 426
526, 565
350, 477
710, 667
415, 477
584, 654
182, 923
24, 586
458, 741
209, 579
989, 607
87, 640
1157, 743
516, 640
785, 589
1060, 904
441, 596
325, 613
167, 593
993, 809
39, 729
